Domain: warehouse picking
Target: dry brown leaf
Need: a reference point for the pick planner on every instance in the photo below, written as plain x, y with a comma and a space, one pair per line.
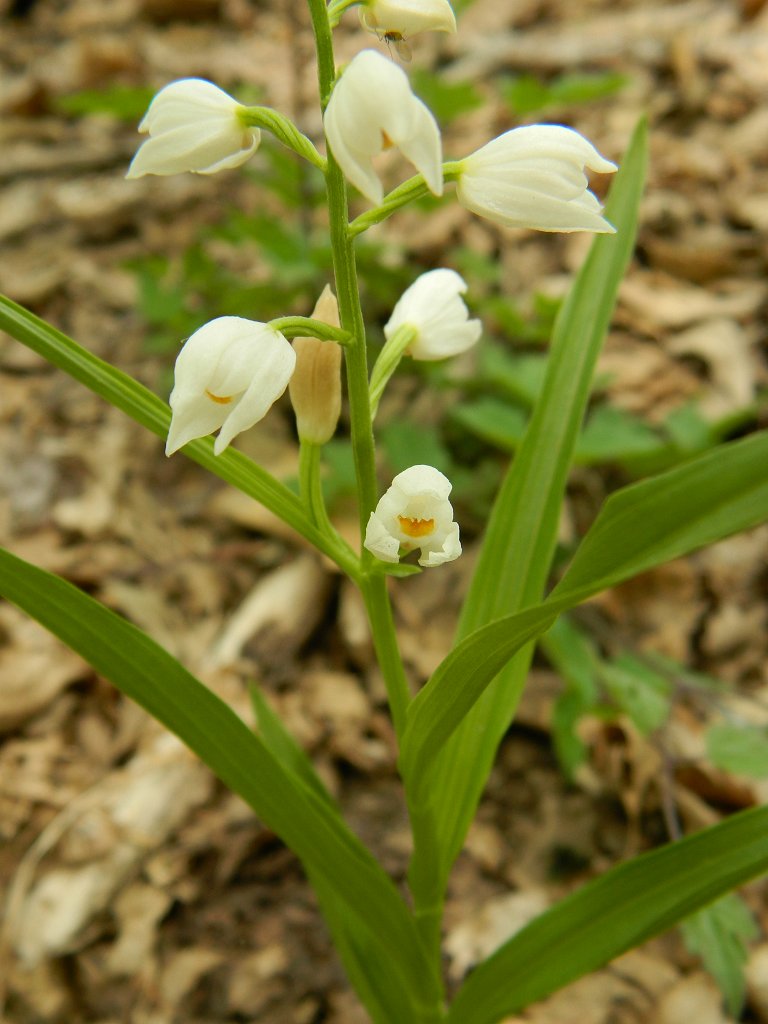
696, 997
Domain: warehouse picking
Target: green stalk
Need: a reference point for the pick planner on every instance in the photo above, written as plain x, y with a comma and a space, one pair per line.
311, 488
388, 361
307, 327
283, 129
411, 190
373, 585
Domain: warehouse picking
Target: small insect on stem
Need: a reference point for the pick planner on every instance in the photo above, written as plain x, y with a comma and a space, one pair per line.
402, 49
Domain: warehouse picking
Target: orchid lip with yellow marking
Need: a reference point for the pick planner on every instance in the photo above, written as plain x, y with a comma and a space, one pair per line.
221, 399
414, 512
416, 527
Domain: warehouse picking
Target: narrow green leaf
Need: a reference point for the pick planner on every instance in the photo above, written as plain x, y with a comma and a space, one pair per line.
379, 986
639, 691
521, 535
520, 539
719, 935
711, 497
742, 749
614, 913
147, 409
716, 494
573, 654
307, 823
272, 732
454, 688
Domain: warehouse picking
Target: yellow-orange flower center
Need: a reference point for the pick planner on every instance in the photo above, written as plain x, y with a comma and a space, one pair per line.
221, 399
416, 527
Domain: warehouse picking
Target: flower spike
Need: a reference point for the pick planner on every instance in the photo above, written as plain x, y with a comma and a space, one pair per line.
533, 177
415, 513
227, 376
371, 107
193, 126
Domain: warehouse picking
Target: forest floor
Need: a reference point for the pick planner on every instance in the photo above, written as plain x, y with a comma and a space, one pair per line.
135, 889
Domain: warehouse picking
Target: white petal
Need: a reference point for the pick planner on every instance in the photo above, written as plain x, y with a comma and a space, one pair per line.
227, 376
407, 17
194, 417
379, 541
184, 100
534, 177
276, 365
418, 480
423, 146
434, 307
193, 126
450, 549
373, 98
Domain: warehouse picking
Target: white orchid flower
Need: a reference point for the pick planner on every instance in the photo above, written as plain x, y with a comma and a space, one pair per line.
402, 18
533, 177
434, 309
371, 107
193, 126
227, 376
415, 513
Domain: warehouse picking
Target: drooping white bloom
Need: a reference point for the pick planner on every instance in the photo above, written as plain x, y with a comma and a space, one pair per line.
193, 126
371, 107
227, 376
407, 17
533, 177
415, 513
434, 308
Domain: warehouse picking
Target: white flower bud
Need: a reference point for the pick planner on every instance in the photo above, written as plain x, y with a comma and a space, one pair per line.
533, 177
227, 376
434, 308
371, 107
407, 17
415, 513
193, 126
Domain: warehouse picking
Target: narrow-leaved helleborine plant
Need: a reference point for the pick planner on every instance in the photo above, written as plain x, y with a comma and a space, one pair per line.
232, 370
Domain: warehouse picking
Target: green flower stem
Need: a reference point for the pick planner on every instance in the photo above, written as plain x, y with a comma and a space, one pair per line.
388, 361
412, 189
373, 585
283, 129
307, 327
376, 597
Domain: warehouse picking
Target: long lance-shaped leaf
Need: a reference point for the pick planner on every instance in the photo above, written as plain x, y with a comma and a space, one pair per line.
711, 497
626, 906
365, 955
651, 522
521, 535
147, 409
306, 822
